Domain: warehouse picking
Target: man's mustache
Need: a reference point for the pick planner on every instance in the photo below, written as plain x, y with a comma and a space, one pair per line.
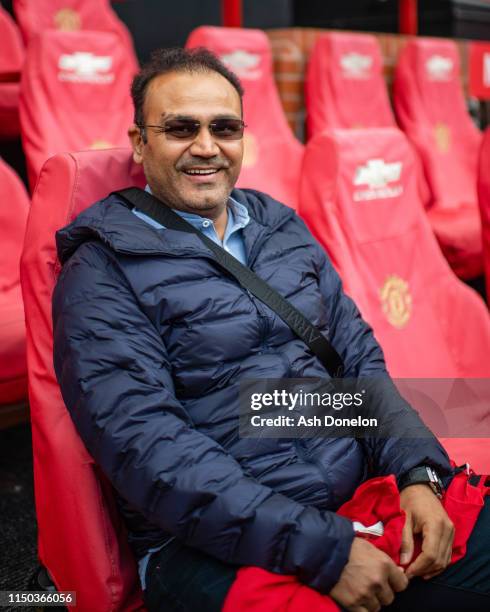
203, 163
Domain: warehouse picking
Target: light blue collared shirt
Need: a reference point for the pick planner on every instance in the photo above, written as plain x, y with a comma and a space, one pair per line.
233, 243
238, 218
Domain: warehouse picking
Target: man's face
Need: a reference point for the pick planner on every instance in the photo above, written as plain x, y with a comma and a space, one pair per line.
171, 164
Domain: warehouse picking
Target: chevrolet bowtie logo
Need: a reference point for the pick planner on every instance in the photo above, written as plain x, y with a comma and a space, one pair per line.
356, 65
439, 68
85, 64
377, 173
244, 63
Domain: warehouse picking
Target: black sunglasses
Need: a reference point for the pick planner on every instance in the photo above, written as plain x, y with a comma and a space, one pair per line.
182, 129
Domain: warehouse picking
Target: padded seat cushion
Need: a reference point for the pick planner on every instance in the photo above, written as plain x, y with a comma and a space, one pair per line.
344, 85
74, 94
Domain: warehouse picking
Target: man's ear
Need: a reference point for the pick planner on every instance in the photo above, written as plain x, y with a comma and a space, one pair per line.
137, 143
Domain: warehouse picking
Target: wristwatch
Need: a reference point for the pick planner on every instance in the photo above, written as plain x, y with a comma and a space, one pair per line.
422, 474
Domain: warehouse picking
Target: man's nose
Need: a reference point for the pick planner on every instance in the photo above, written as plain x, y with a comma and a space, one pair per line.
204, 145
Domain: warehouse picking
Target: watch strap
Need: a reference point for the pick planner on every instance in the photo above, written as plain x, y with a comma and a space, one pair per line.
423, 474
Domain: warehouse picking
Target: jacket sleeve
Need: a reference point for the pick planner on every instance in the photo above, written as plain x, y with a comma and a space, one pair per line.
353, 338
115, 377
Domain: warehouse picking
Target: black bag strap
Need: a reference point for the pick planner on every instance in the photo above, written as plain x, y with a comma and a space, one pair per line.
305, 330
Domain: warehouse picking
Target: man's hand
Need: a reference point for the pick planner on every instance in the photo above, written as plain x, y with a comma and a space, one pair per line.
369, 580
425, 516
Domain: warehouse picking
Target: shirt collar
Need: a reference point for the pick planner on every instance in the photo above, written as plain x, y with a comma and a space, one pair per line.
238, 216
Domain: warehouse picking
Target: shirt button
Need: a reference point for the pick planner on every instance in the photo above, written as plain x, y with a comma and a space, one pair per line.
206, 223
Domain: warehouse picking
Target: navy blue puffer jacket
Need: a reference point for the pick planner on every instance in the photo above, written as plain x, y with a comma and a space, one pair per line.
151, 341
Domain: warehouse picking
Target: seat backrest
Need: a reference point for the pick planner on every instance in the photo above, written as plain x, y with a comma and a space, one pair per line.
272, 160
11, 48
14, 207
74, 94
484, 200
81, 540
431, 109
35, 16
344, 85
359, 196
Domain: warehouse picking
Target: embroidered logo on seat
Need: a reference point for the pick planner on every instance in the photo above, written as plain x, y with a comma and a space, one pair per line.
101, 144
85, 67
250, 150
67, 19
245, 64
396, 301
356, 66
442, 136
376, 174
439, 68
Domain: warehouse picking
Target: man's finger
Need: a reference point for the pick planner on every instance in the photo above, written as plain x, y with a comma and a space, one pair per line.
447, 561
371, 604
385, 595
447, 547
406, 549
397, 579
429, 556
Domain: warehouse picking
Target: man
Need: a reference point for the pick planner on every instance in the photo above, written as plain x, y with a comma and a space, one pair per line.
152, 340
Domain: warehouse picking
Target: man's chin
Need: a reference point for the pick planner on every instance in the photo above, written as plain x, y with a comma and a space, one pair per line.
207, 199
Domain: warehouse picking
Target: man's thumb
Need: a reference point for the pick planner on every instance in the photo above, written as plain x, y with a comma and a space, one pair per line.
406, 549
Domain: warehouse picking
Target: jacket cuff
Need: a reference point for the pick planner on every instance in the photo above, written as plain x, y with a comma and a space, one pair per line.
336, 556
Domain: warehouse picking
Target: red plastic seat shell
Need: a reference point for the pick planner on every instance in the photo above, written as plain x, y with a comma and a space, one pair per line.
484, 200
14, 207
429, 324
431, 109
81, 538
74, 95
273, 156
344, 85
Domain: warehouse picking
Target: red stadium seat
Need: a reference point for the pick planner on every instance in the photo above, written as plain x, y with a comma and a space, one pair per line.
11, 62
484, 199
273, 156
35, 16
74, 95
14, 207
359, 196
430, 108
81, 538
344, 85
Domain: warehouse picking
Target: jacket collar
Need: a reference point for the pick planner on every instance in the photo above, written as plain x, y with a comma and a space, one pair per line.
111, 222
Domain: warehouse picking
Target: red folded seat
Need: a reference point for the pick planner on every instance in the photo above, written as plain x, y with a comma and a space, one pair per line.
430, 108
344, 86
359, 197
14, 207
74, 95
35, 16
272, 160
11, 62
81, 539
484, 200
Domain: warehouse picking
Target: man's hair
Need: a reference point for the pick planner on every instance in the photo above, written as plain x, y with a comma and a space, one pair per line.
177, 59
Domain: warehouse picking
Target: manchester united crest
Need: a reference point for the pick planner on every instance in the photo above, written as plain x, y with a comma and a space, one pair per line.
101, 144
396, 301
67, 19
250, 150
442, 136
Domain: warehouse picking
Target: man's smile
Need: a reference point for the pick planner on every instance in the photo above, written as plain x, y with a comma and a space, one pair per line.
201, 175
